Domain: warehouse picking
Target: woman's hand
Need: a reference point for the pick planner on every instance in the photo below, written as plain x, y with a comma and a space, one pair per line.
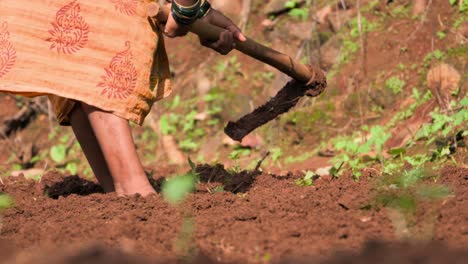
172, 29
226, 41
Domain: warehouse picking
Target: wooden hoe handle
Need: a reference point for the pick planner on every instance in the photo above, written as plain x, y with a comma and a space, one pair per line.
284, 63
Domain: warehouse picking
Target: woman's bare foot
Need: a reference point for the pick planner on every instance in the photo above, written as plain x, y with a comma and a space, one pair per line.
130, 188
118, 152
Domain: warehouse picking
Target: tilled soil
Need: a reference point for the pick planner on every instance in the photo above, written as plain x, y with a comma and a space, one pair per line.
258, 218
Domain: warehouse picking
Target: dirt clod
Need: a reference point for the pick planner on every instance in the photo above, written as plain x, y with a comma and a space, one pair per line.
281, 103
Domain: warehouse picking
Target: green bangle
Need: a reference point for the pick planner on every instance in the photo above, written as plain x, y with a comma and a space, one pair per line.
187, 11
185, 15
205, 8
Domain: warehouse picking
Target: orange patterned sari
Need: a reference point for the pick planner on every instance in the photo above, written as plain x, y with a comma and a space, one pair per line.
103, 53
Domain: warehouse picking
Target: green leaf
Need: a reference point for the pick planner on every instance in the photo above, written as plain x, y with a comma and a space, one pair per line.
453, 2
397, 151
290, 4
464, 102
334, 171
395, 85
410, 178
237, 153
165, 126
188, 145
464, 6
176, 189
175, 102
192, 165
72, 167
58, 153
5, 201
64, 139
434, 192
218, 189
445, 151
276, 153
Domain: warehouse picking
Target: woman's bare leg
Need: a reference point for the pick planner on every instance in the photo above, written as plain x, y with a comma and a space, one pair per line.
115, 139
85, 135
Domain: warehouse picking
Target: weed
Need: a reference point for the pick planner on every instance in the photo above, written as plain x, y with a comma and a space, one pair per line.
400, 11
185, 128
239, 152
355, 151
276, 154
441, 34
437, 55
176, 189
366, 27
463, 5
458, 22
300, 13
215, 100
401, 66
5, 201
299, 158
307, 180
445, 125
64, 154
405, 190
407, 112
395, 85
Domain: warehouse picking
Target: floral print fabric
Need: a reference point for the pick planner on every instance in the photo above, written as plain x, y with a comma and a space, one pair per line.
103, 53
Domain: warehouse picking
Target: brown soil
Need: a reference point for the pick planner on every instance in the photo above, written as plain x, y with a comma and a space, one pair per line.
258, 217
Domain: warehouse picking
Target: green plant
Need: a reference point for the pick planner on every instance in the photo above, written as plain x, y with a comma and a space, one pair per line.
64, 154
400, 11
306, 180
407, 112
239, 152
458, 22
300, 158
301, 13
404, 191
445, 125
401, 66
5, 201
276, 154
215, 100
395, 84
184, 127
177, 188
356, 151
366, 27
463, 5
441, 34
350, 39
437, 55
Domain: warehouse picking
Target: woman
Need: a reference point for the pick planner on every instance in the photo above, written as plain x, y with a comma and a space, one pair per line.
102, 65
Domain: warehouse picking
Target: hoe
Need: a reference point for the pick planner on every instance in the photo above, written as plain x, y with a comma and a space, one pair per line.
307, 80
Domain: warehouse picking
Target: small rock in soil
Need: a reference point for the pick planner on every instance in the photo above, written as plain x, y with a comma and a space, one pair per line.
418, 7
323, 171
